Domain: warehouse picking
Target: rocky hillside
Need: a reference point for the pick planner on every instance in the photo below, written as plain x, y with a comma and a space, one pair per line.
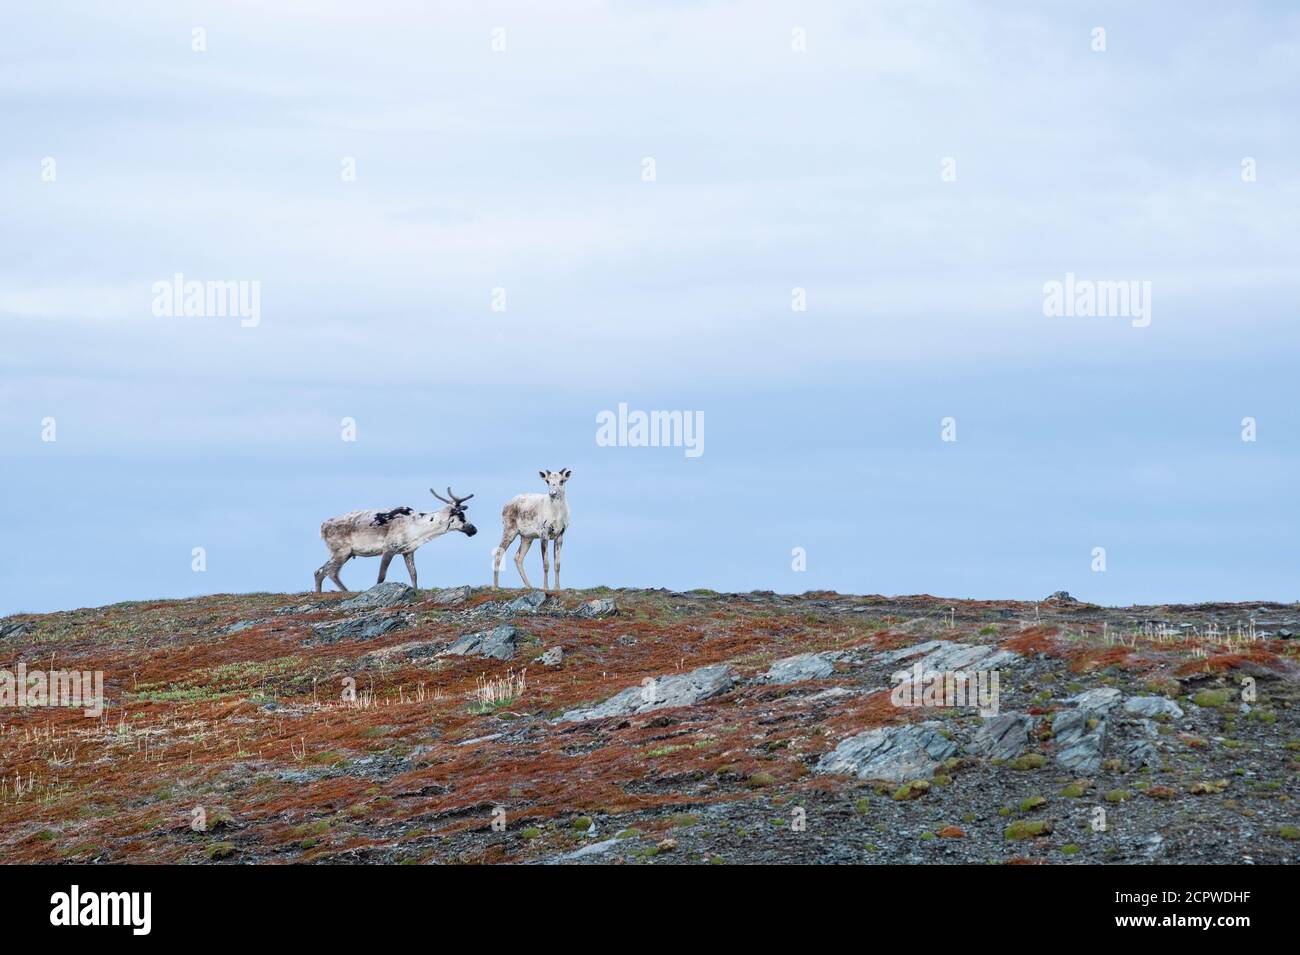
640, 726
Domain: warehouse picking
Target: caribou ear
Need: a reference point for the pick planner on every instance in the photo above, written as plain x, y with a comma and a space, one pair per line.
566, 473
543, 474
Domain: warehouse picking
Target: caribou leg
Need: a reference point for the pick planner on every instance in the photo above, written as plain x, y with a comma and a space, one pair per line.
546, 567
410, 569
507, 538
335, 566
383, 567
524, 544
558, 542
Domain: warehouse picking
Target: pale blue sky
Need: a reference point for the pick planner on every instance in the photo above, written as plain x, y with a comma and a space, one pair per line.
522, 169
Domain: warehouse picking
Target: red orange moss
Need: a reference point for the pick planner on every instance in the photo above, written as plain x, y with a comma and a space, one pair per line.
1099, 658
1224, 662
1034, 640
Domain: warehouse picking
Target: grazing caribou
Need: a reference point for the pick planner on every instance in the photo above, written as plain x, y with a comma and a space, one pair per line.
388, 533
531, 517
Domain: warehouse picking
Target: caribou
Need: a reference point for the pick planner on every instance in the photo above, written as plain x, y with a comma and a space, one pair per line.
385, 534
530, 517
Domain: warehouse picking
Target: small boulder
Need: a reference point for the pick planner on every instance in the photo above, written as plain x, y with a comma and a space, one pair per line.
1061, 596
553, 656
1099, 698
600, 607
894, 754
15, 628
591, 849
529, 603
388, 594
1080, 738
356, 628
450, 596
1137, 752
678, 689
1003, 737
804, 666
1151, 706
499, 643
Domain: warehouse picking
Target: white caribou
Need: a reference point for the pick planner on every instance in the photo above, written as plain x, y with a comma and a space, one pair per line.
386, 534
531, 517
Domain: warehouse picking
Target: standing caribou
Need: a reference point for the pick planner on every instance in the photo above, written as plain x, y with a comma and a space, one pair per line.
388, 533
533, 517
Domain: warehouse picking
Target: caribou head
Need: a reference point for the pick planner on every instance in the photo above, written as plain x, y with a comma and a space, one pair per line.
456, 520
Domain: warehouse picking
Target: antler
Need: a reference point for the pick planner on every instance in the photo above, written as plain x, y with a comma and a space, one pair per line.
454, 502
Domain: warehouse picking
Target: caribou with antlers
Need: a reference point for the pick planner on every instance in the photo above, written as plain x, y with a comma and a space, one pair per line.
386, 534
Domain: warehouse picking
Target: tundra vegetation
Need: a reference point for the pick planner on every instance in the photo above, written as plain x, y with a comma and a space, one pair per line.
693, 728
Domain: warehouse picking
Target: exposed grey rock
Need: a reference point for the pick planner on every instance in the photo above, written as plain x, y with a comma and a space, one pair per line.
1079, 748
1152, 706
905, 652
1002, 737
943, 656
593, 849
15, 628
1136, 752
825, 696
451, 595
600, 607
1152, 845
679, 689
499, 643
1098, 698
1148, 727
415, 650
388, 594
893, 656
356, 628
298, 776
1061, 596
530, 602
804, 666
239, 627
300, 608
895, 754
554, 656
